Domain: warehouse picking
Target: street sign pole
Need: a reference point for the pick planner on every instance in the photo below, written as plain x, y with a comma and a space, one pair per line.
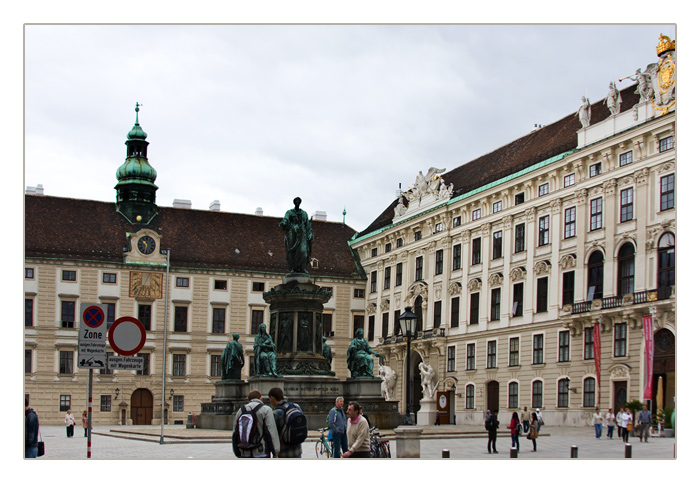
89, 419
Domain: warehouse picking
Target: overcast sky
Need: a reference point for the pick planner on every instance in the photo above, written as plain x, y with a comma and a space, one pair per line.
254, 115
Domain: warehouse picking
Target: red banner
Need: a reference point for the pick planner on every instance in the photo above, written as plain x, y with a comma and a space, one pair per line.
596, 354
649, 359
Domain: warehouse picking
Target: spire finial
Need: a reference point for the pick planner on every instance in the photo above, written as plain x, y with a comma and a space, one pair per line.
137, 111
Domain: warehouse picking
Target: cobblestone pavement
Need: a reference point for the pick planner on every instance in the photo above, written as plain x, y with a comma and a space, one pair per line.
199, 444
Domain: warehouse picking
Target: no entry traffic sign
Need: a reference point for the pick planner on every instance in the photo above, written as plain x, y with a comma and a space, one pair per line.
127, 336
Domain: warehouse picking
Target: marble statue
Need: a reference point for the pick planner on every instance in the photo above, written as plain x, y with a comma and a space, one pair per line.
327, 352
359, 356
232, 360
445, 192
298, 237
388, 376
400, 208
428, 380
264, 353
644, 89
614, 100
584, 112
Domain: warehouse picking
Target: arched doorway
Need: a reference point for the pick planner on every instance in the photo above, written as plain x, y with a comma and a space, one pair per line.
492, 389
141, 407
664, 368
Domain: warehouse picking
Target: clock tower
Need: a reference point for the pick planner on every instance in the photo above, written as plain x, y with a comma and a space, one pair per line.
136, 191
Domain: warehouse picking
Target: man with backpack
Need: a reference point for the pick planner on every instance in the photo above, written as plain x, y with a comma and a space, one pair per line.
290, 423
254, 430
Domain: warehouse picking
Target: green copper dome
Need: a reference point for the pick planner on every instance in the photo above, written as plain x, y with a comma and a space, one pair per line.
136, 132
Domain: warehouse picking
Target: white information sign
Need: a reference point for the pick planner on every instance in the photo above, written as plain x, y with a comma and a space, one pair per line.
125, 363
92, 337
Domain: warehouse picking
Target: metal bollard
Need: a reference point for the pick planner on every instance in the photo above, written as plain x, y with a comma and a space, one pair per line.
574, 451
445, 453
514, 452
628, 450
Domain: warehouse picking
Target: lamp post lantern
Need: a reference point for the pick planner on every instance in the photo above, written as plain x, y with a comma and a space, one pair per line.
407, 322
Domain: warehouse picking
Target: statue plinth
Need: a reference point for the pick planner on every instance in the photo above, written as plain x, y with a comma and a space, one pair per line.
428, 412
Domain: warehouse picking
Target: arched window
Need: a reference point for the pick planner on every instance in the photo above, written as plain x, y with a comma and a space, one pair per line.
666, 275
625, 269
595, 275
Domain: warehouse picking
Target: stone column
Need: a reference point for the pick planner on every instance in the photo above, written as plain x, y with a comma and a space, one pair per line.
408, 441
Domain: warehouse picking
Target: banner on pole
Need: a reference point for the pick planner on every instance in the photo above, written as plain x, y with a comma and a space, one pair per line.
596, 354
649, 359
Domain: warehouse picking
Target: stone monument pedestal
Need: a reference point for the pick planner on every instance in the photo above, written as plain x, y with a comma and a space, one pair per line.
428, 412
408, 441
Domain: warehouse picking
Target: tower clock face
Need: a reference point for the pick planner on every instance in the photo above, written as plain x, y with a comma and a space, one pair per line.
146, 245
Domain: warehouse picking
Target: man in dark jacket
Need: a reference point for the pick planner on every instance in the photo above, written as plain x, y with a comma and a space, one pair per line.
493, 427
31, 431
336, 421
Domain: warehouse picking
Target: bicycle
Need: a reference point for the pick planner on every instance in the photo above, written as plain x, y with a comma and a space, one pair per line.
379, 448
324, 447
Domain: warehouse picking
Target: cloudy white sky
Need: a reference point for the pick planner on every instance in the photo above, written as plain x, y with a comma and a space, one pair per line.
254, 115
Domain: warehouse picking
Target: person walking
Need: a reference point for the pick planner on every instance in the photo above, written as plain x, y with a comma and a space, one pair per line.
267, 430
358, 433
532, 435
525, 418
70, 423
338, 425
280, 407
645, 421
618, 421
85, 423
610, 419
31, 431
626, 425
598, 423
540, 420
492, 426
515, 428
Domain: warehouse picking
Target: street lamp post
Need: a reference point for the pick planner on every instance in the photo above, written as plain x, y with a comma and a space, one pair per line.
407, 322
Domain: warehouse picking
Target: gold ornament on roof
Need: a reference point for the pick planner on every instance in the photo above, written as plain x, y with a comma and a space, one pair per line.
665, 44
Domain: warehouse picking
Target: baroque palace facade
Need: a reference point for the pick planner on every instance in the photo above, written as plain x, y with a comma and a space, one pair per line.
205, 271
515, 260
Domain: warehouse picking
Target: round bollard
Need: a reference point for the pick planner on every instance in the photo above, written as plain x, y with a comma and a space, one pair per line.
628, 450
445, 453
514, 452
574, 451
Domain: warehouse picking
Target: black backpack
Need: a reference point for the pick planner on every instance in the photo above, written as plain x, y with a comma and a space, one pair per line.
295, 429
247, 435
518, 429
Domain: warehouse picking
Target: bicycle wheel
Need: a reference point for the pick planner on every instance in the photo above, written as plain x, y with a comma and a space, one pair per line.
386, 450
321, 450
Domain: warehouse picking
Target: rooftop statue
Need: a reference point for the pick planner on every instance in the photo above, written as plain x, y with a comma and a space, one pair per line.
298, 238
614, 100
264, 353
584, 112
232, 360
360, 362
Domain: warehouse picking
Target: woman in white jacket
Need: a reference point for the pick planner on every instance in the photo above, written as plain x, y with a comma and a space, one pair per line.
618, 421
70, 423
610, 419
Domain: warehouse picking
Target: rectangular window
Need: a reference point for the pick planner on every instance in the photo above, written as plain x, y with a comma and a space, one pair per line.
257, 317
328, 290
588, 343
399, 243
544, 231
668, 192
373, 282
519, 198
419, 268
476, 214
64, 402
518, 290
456, 221
438, 227
397, 326
538, 349
589, 392
454, 312
67, 314
258, 286
570, 222
626, 204
451, 356
28, 273
474, 309
543, 189
563, 393
537, 394
359, 293
68, 275
491, 355
105, 403
370, 328
476, 251
27, 361
387, 248
387, 278
542, 289
497, 206
109, 278
215, 365
65, 362
111, 311
385, 324
144, 316
28, 312
514, 352
625, 158
620, 340
374, 252
399, 274
182, 282
179, 365
146, 371
569, 180
437, 313
358, 322
496, 304
456, 257
417, 235
469, 397
596, 214
665, 144
178, 403
327, 322
595, 169
497, 244
513, 395
564, 346
220, 284
567, 296
218, 321
180, 319
471, 357
438, 262
519, 238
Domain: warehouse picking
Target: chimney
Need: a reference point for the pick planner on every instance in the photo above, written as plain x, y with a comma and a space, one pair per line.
320, 216
398, 191
215, 206
187, 204
258, 211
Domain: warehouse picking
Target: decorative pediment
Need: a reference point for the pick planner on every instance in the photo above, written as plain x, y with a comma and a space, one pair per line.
455, 288
495, 279
474, 284
567, 261
542, 267
517, 274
